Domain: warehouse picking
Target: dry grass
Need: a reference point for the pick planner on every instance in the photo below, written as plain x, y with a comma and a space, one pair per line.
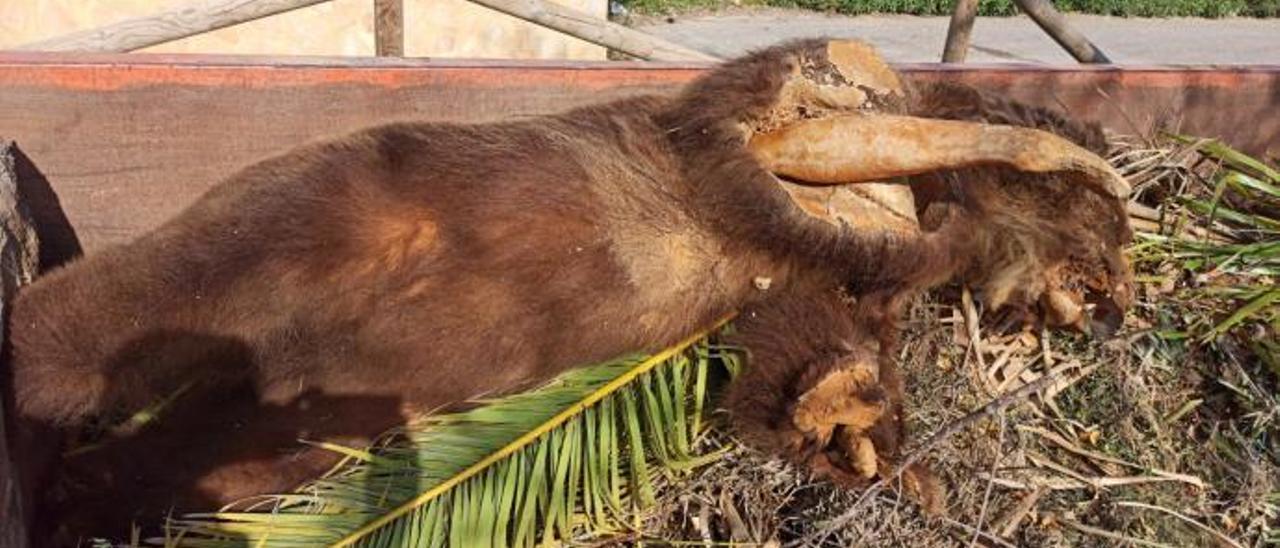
1168, 435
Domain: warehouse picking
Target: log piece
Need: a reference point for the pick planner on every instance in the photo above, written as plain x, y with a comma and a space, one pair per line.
595, 30
388, 25
19, 253
1055, 25
958, 31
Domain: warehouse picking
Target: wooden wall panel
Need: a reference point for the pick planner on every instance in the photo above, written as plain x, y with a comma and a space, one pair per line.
114, 145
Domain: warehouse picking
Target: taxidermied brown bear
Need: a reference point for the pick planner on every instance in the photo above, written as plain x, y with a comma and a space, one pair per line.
417, 265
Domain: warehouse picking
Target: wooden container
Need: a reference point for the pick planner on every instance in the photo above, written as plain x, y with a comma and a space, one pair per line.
113, 145
110, 146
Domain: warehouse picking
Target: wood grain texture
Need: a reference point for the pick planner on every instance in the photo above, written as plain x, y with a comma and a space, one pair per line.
958, 31
388, 27
122, 143
1052, 22
18, 266
595, 30
173, 24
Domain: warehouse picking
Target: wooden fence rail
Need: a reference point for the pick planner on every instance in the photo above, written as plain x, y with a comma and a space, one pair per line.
206, 15
958, 31
597, 31
388, 27
1042, 12
1056, 26
167, 26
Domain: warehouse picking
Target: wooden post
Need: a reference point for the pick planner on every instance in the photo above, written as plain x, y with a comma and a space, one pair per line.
595, 30
959, 30
167, 26
19, 255
1053, 23
388, 27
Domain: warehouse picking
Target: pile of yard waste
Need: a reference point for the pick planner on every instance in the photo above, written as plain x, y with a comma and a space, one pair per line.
1167, 435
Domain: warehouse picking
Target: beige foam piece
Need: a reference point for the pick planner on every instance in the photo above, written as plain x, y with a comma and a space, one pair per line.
864, 207
433, 28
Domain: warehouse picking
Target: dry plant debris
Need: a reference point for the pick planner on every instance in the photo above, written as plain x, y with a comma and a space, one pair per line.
1167, 435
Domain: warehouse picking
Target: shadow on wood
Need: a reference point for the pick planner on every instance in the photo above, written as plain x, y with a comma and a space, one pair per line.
58, 240
216, 442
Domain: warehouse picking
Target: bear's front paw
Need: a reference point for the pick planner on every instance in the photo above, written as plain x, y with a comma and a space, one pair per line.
849, 398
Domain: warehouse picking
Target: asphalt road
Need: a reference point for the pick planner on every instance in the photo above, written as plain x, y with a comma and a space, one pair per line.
904, 38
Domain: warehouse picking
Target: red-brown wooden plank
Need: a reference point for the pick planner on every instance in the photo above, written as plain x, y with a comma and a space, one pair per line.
124, 142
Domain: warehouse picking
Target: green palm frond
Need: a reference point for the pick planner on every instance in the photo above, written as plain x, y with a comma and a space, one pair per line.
577, 457
1225, 283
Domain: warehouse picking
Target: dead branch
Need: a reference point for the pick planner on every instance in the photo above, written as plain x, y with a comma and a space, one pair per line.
1062, 442
598, 31
388, 27
976, 532
1220, 536
986, 495
1070, 484
958, 31
959, 525
1123, 539
1008, 523
1057, 27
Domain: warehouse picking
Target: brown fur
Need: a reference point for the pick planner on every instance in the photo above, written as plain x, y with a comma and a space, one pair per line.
420, 263
795, 342
1032, 232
